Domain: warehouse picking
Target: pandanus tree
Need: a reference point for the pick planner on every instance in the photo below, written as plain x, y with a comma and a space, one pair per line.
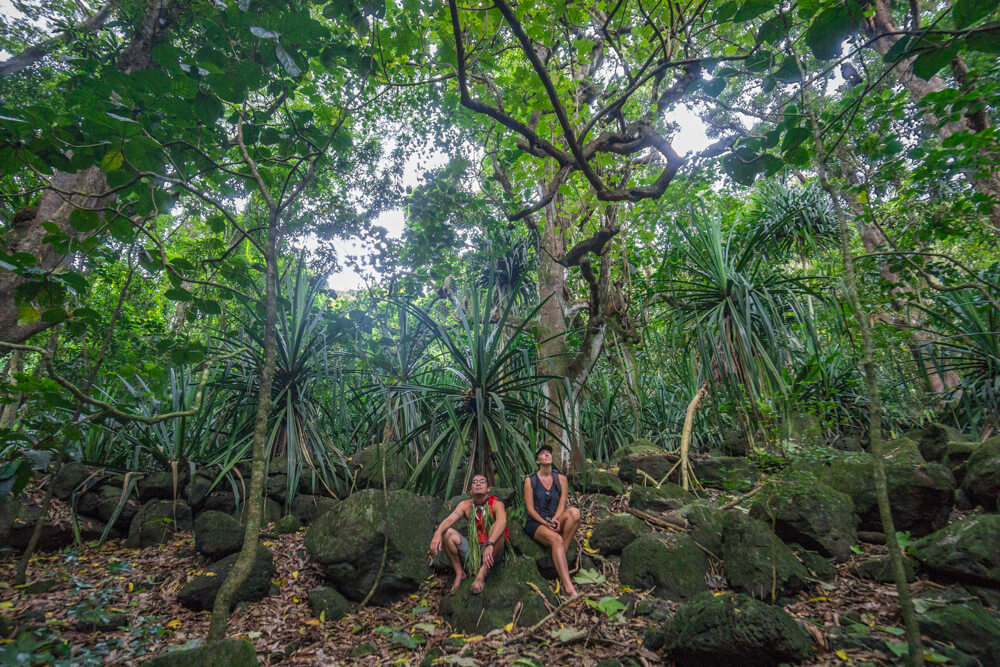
484, 407
738, 309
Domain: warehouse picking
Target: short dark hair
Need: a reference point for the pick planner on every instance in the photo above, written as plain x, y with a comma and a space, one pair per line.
543, 448
480, 474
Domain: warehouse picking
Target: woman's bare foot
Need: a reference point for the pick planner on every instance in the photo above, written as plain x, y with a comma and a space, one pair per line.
477, 586
571, 591
459, 578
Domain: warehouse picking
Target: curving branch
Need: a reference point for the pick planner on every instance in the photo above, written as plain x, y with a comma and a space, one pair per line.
33, 54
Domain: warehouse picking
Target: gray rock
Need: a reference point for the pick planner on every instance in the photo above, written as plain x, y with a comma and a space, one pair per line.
966, 624
506, 598
157, 521
737, 630
347, 543
729, 473
667, 497
217, 534
615, 533
225, 653
108, 499
71, 475
671, 564
653, 464
329, 603
880, 570
160, 485
220, 501
199, 593
197, 490
965, 550
287, 525
982, 475
597, 481
309, 508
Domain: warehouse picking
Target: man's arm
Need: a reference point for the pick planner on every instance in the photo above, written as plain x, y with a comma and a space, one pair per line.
496, 532
448, 522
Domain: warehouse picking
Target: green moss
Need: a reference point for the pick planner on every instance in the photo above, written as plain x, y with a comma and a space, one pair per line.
507, 592
615, 533
225, 653
671, 564
966, 549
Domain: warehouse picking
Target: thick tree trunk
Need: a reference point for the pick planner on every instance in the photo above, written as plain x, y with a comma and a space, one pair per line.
882, 22
27, 234
14, 366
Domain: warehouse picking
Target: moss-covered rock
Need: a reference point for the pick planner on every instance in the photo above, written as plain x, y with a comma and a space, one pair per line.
225, 653
108, 500
287, 525
671, 564
965, 550
161, 485
70, 476
654, 466
157, 521
809, 513
309, 508
615, 533
967, 624
902, 450
526, 546
880, 570
347, 543
729, 473
277, 487
197, 490
598, 506
369, 462
734, 629
507, 593
97, 620
819, 567
329, 603
640, 446
593, 480
220, 501
217, 534
667, 497
199, 593
933, 440
982, 475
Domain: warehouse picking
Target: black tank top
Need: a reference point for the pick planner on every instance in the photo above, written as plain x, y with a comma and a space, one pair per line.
546, 500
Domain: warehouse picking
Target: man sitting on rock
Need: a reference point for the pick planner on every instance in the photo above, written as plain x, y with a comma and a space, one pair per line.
487, 535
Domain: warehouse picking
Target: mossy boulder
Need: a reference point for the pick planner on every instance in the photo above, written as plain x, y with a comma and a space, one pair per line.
287, 525
982, 475
157, 521
96, 620
329, 603
593, 480
966, 550
220, 501
347, 543
615, 533
309, 508
933, 439
369, 461
818, 567
506, 598
70, 476
880, 569
217, 534
667, 497
197, 490
729, 473
671, 564
276, 487
640, 446
734, 629
161, 485
107, 501
967, 624
199, 593
809, 513
654, 465
526, 546
921, 495
225, 653
902, 450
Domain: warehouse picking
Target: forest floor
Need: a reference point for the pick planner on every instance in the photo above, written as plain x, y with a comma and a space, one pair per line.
74, 584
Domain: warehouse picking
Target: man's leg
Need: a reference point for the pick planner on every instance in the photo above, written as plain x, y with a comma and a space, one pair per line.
451, 542
480, 581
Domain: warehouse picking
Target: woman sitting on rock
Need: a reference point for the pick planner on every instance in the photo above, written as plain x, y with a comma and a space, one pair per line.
550, 522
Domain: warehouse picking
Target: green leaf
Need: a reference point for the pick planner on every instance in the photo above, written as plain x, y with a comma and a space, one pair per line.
568, 633
27, 315
789, 71
751, 9
83, 220
772, 30
112, 160
967, 12
590, 576
794, 137
178, 294
930, 63
726, 11
53, 315
984, 42
286, 60
830, 28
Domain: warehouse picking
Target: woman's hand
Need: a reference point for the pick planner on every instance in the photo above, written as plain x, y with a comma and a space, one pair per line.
553, 524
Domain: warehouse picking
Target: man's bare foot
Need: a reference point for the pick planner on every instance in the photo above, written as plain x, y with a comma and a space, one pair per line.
459, 578
477, 586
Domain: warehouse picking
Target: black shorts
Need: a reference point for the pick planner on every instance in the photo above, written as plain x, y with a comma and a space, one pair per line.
530, 526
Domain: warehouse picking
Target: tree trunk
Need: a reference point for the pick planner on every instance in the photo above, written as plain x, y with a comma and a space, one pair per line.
881, 22
255, 500
14, 366
692, 409
27, 234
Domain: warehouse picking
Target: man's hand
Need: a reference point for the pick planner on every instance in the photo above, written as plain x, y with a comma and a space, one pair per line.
435, 545
488, 555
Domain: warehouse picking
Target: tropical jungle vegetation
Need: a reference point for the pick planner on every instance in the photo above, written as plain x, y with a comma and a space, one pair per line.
818, 278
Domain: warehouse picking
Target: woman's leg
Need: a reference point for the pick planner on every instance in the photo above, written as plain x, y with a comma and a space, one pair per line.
569, 521
554, 540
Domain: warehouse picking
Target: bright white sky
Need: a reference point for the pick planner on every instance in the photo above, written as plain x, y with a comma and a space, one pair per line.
691, 137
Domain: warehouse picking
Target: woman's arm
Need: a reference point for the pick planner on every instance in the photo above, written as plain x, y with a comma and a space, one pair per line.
564, 485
